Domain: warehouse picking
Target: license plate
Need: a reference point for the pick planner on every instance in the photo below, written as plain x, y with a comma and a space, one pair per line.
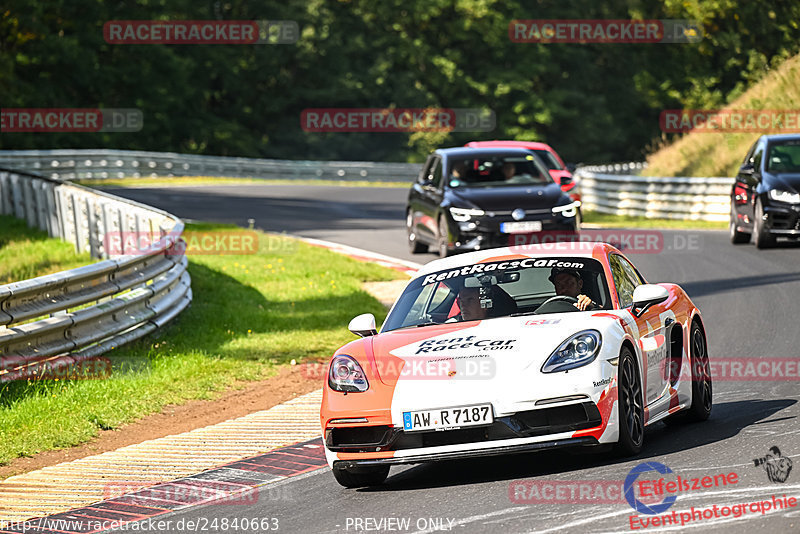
448, 418
521, 227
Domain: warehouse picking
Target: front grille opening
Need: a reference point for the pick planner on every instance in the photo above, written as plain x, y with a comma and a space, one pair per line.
362, 437
781, 221
557, 419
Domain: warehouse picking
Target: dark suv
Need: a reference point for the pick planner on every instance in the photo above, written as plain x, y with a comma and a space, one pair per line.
765, 199
476, 198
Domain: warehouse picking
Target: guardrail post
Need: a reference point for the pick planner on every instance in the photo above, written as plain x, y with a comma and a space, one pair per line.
51, 211
92, 230
5, 194
122, 236
77, 222
16, 198
61, 212
137, 229
28, 194
105, 239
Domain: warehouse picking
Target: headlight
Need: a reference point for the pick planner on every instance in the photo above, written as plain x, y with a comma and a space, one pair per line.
346, 375
463, 214
577, 351
567, 210
784, 196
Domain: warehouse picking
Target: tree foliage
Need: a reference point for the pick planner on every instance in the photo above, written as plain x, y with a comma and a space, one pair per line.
593, 102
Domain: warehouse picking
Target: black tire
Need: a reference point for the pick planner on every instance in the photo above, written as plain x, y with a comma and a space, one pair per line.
414, 246
737, 237
702, 390
762, 236
630, 406
360, 477
443, 238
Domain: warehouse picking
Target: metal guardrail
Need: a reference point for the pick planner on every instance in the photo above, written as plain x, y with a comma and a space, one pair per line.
612, 188
632, 167
103, 164
64, 318
685, 198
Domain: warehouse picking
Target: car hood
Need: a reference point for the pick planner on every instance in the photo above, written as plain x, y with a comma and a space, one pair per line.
508, 197
494, 360
504, 346
788, 181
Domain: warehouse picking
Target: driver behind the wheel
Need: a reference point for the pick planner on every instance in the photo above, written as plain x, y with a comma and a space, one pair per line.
469, 303
568, 283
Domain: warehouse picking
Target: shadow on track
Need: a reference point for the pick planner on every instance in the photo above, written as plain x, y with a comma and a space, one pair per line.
727, 420
701, 288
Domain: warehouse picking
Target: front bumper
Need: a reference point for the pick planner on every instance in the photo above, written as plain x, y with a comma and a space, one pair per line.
782, 220
504, 449
530, 423
483, 233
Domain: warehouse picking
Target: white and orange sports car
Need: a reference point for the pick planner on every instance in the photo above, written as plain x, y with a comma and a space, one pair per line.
512, 350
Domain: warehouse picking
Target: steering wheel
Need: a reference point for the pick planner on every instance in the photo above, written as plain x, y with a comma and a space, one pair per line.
557, 298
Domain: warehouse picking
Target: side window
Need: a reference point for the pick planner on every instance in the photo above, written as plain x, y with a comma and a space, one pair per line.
625, 279
757, 157
426, 170
429, 299
436, 173
630, 270
749, 157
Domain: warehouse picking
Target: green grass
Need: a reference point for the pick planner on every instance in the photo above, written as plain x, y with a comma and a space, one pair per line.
628, 221
720, 154
29, 252
216, 180
251, 314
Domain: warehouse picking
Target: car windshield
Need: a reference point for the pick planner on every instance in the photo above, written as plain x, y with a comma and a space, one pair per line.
784, 156
494, 171
549, 160
496, 289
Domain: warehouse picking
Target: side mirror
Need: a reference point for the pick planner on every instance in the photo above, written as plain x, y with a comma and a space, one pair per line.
747, 169
647, 295
363, 325
566, 180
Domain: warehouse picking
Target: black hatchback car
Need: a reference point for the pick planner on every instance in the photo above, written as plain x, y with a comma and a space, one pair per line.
476, 198
765, 198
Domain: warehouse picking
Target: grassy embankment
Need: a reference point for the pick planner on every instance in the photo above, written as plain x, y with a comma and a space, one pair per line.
720, 154
251, 315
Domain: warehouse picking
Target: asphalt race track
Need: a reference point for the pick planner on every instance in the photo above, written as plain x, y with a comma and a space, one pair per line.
750, 301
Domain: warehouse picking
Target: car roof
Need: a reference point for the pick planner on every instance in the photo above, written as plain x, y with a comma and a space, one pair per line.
780, 137
533, 145
466, 152
576, 249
